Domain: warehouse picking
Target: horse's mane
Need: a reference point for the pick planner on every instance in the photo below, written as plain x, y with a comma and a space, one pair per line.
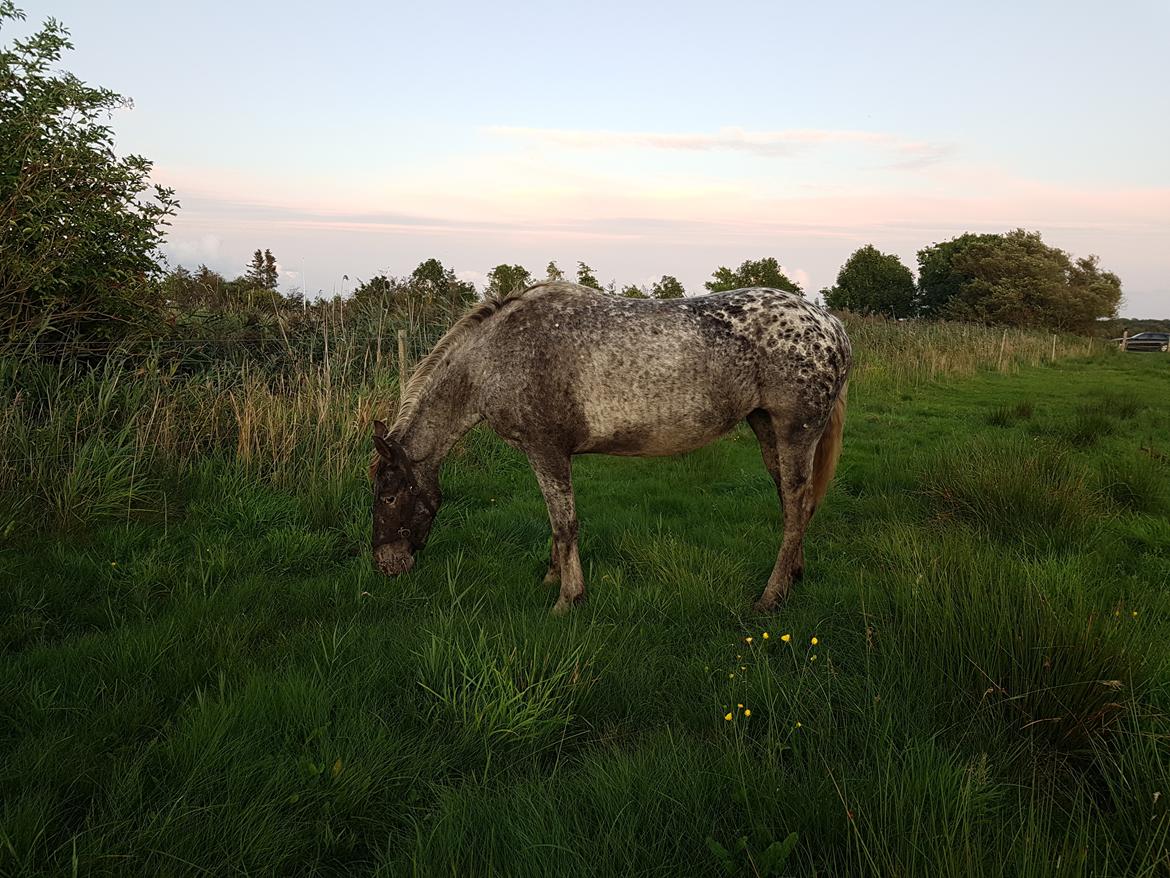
421, 376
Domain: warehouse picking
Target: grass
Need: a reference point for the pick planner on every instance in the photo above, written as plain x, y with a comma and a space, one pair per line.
208, 677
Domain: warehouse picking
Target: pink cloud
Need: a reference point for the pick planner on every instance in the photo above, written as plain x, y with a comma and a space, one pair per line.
905, 153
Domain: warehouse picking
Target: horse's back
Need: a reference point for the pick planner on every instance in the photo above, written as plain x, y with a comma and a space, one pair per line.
633, 376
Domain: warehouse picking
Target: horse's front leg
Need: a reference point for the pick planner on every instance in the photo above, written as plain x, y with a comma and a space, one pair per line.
554, 474
554, 568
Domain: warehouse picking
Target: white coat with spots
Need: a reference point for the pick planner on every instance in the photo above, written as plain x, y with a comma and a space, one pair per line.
560, 369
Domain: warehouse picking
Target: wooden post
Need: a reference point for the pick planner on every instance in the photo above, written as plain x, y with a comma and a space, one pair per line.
381, 326
1002, 348
1124, 338
1054, 347
1090, 345
401, 363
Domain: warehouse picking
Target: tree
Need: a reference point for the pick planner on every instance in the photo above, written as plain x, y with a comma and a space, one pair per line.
585, 276
938, 278
380, 289
1015, 279
505, 279
668, 288
752, 273
553, 273
254, 273
270, 274
1018, 280
437, 292
210, 288
632, 291
80, 228
262, 273
871, 282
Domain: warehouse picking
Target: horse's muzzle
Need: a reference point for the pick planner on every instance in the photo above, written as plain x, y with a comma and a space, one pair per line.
393, 559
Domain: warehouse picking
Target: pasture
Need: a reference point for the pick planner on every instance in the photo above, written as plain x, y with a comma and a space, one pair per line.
203, 674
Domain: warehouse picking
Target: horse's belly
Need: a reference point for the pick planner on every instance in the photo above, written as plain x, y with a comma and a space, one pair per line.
664, 434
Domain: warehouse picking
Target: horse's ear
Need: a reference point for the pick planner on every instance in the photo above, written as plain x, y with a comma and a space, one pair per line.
389, 451
385, 449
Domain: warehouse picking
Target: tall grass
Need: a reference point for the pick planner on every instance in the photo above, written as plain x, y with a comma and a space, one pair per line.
908, 353
81, 443
230, 688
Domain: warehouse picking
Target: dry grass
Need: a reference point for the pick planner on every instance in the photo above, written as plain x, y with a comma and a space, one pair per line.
301, 421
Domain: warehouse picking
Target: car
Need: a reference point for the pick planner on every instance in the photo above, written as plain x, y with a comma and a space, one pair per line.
1147, 341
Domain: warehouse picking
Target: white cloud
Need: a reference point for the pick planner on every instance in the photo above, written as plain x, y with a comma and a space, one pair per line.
800, 276
195, 250
476, 277
901, 152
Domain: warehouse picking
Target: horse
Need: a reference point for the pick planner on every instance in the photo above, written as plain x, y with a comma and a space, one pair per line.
557, 369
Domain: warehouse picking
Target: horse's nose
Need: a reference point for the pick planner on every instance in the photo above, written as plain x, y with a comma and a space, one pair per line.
393, 560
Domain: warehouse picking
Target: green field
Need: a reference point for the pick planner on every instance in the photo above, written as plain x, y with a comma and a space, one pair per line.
222, 685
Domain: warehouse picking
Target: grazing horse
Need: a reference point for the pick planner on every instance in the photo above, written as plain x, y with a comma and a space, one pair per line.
559, 369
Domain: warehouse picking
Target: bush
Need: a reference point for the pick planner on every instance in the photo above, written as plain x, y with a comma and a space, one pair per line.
79, 236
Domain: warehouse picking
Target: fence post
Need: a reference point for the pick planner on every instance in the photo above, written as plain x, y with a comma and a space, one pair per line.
1054, 347
1002, 348
1124, 338
401, 363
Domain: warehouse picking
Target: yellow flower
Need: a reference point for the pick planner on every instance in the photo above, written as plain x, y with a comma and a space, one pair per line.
765, 635
785, 637
798, 725
814, 641
740, 706
1135, 614
115, 564
747, 713
728, 717
749, 640
813, 657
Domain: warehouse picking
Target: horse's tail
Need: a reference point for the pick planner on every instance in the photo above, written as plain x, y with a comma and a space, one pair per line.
829, 449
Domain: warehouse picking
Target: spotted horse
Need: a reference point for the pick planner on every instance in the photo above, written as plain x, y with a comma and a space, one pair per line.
559, 369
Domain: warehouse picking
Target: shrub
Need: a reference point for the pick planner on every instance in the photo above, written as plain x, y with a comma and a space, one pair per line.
79, 237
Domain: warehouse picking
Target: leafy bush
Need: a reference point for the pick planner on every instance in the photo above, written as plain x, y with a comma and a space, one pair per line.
79, 235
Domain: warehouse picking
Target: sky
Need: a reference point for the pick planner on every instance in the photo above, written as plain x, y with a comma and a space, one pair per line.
644, 138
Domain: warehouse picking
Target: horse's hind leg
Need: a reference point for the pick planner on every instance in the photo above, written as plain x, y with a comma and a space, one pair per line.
761, 423
553, 472
795, 464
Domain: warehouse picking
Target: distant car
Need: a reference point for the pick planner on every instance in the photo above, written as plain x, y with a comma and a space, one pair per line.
1148, 341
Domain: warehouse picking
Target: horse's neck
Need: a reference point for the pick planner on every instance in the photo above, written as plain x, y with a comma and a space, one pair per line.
445, 410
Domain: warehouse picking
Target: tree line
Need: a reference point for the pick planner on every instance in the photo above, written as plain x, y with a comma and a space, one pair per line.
81, 231
1009, 279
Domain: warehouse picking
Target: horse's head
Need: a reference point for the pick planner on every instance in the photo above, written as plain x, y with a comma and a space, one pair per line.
404, 505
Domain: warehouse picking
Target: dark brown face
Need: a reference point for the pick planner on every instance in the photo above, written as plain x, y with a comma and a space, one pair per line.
403, 508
